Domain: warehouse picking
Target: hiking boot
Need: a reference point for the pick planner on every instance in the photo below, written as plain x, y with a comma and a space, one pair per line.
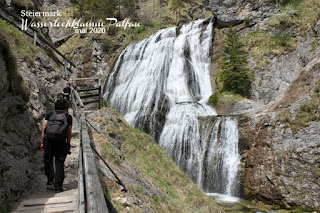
58, 190
50, 185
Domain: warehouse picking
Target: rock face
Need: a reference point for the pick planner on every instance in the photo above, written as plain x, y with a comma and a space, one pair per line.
232, 12
26, 94
278, 165
282, 165
18, 131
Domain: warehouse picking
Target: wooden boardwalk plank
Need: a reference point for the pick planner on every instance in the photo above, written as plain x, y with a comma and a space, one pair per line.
47, 201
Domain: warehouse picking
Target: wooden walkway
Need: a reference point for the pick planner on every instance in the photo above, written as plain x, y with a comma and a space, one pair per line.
62, 202
46, 200
82, 189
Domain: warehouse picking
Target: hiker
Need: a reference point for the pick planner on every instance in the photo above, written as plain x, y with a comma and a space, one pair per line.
67, 92
55, 142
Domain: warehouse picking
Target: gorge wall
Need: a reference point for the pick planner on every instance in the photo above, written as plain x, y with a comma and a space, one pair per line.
279, 139
29, 83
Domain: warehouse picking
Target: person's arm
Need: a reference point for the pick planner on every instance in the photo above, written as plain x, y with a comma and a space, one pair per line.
69, 135
42, 135
65, 93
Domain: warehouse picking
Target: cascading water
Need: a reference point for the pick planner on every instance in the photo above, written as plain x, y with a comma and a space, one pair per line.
160, 85
219, 137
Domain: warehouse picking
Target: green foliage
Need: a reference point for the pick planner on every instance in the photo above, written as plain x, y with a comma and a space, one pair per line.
20, 45
292, 2
96, 9
130, 6
224, 100
285, 117
297, 211
5, 208
234, 61
316, 172
301, 14
101, 9
261, 44
213, 99
176, 6
22, 4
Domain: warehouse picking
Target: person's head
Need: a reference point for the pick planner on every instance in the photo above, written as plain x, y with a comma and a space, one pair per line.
68, 84
61, 104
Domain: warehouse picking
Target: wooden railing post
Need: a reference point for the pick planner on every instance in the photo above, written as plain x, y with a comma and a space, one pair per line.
35, 38
100, 94
65, 64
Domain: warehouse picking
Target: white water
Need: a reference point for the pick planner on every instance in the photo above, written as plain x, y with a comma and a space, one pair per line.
222, 198
160, 85
220, 136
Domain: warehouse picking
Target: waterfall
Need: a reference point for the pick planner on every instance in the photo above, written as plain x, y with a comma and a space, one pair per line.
161, 85
219, 139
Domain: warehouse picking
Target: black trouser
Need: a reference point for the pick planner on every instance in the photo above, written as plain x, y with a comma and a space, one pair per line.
55, 149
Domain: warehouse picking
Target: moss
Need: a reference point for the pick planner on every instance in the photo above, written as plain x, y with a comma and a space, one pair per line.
5, 208
302, 14
307, 112
20, 45
74, 43
227, 99
17, 86
213, 99
299, 178
284, 116
22, 4
297, 211
298, 15
316, 172
260, 44
314, 45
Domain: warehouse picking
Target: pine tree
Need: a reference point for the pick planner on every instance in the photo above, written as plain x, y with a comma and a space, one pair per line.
97, 9
234, 72
176, 6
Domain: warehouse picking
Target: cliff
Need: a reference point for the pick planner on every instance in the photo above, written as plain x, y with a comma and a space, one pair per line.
29, 83
279, 136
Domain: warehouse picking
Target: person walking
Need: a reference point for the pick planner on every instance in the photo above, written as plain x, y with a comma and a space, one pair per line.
55, 142
66, 92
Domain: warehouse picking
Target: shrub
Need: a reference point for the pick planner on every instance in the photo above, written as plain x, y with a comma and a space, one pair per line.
213, 99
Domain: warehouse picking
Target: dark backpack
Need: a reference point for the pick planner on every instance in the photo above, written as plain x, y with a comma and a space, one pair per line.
57, 126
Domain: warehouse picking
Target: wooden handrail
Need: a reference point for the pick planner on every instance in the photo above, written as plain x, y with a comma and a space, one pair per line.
94, 195
84, 79
91, 197
90, 95
81, 187
77, 97
89, 89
